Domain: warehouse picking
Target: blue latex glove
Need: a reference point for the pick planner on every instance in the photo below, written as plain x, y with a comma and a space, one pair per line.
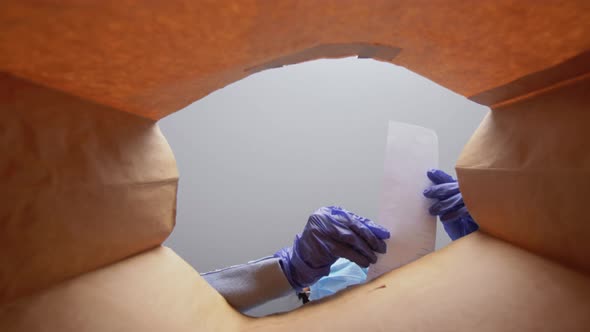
450, 207
331, 233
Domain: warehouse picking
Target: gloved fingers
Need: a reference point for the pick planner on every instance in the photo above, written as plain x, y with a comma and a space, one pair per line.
368, 236
370, 232
347, 238
336, 215
344, 251
332, 210
450, 216
379, 231
438, 177
445, 206
347, 217
442, 191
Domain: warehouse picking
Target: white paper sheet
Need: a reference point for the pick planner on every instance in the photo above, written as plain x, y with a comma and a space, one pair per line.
410, 152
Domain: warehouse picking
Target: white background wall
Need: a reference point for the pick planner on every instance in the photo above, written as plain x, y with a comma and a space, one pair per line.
257, 157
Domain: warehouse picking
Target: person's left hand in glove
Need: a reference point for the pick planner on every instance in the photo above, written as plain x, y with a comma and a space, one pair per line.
449, 206
331, 233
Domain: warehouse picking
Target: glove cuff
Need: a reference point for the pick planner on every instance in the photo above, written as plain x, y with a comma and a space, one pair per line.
297, 271
458, 227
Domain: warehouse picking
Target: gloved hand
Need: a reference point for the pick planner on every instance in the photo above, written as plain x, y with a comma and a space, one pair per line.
450, 207
331, 233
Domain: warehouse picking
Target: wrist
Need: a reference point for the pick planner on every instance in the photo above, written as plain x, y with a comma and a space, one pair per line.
297, 271
459, 227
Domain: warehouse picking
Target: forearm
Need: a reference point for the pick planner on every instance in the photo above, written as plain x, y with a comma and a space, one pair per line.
247, 285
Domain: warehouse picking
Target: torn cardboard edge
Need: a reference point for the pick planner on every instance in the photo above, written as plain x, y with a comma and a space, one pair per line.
571, 68
341, 50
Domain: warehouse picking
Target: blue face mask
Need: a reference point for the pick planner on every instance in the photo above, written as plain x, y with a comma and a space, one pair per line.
343, 273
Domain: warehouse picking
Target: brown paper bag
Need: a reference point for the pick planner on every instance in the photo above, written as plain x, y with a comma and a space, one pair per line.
83, 185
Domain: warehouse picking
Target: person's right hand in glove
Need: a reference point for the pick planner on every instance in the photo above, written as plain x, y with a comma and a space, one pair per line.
331, 233
449, 206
